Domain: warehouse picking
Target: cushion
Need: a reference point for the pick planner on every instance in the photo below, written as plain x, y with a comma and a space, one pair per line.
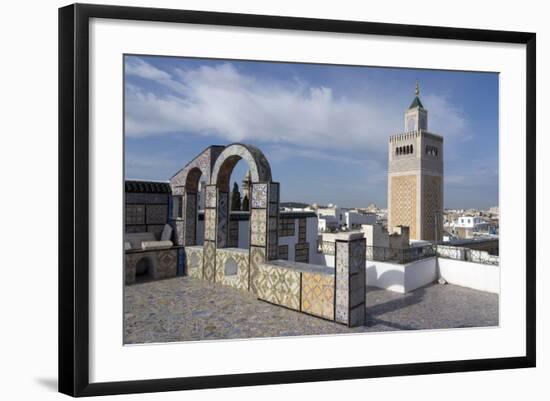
166, 234
156, 244
135, 239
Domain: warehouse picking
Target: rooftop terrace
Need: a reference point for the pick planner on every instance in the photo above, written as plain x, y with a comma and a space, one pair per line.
184, 309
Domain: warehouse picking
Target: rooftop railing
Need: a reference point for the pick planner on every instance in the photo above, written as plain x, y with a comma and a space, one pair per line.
402, 256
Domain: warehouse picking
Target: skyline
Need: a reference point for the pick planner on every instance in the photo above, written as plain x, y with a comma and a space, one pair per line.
324, 129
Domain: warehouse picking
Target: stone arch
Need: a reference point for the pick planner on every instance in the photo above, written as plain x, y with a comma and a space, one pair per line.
184, 186
145, 268
260, 171
264, 210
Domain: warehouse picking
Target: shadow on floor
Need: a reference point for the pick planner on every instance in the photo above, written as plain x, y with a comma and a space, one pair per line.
48, 382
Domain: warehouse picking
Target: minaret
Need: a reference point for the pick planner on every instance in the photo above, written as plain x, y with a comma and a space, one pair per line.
247, 180
415, 176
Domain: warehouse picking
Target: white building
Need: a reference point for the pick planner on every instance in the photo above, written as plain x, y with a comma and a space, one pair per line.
327, 223
354, 219
470, 222
334, 211
468, 226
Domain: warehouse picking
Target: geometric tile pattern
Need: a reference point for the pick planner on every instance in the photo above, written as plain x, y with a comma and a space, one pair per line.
258, 227
238, 257
403, 203
162, 264
256, 160
273, 221
279, 286
350, 282
190, 219
327, 247
257, 257
274, 192
223, 219
259, 196
209, 261
179, 228
210, 200
318, 294
342, 282
194, 261
431, 203
210, 224
167, 265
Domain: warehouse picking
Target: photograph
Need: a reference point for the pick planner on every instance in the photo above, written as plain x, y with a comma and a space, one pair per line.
271, 199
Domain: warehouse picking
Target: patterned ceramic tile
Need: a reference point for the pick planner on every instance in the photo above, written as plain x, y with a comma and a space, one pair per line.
210, 196
209, 261
223, 219
194, 261
202, 163
318, 294
279, 286
342, 255
274, 192
328, 247
258, 227
257, 257
210, 224
167, 264
357, 254
259, 195
190, 219
229, 259
257, 162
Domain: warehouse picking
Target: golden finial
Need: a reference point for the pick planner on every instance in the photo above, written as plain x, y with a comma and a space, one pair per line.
417, 90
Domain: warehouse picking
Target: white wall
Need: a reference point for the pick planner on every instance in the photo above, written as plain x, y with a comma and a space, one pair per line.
390, 276
472, 275
420, 273
393, 276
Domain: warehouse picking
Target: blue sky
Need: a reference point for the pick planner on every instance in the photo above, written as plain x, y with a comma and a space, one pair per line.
324, 129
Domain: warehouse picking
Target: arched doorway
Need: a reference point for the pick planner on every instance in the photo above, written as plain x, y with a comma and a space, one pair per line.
264, 210
185, 193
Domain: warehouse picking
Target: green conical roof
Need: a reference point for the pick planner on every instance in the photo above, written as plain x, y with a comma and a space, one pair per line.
416, 103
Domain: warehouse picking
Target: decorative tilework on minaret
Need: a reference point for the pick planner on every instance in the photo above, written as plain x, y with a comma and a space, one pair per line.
415, 176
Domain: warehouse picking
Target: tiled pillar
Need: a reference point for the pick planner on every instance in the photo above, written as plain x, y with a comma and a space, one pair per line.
350, 282
222, 219
210, 235
264, 223
178, 224
190, 218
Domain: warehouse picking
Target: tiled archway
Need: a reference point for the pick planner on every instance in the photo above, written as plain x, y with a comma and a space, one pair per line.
264, 210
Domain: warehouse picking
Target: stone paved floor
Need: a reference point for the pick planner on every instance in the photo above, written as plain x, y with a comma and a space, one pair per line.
184, 308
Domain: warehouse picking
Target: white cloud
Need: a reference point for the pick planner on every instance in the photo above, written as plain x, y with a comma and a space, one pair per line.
223, 102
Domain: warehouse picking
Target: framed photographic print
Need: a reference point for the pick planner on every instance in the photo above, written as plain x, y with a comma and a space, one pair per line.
251, 199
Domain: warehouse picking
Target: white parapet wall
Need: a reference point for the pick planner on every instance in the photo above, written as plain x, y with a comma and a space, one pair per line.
420, 273
483, 277
401, 278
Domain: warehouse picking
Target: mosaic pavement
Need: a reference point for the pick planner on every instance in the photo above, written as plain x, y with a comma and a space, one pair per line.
184, 308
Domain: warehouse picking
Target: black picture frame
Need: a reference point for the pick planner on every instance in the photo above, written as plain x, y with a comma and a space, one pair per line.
74, 198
